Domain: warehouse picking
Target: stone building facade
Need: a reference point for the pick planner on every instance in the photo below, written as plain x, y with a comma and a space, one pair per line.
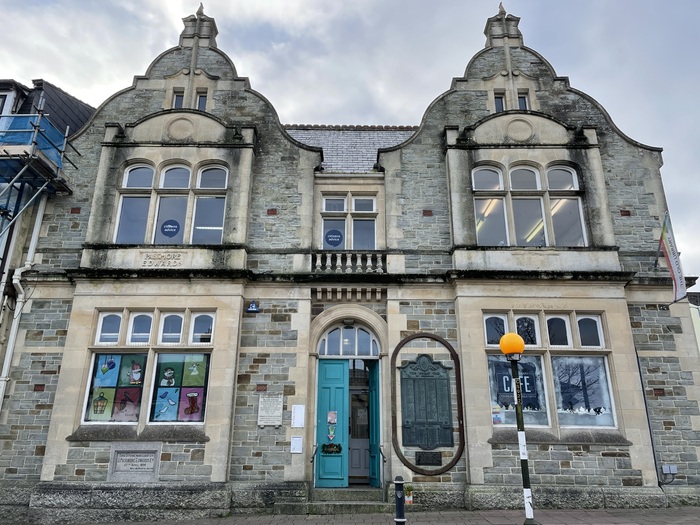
259, 315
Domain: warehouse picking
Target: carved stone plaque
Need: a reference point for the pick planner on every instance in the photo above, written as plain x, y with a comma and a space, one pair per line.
426, 404
270, 410
134, 462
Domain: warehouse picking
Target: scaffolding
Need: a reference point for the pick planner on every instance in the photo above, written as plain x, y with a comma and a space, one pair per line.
32, 155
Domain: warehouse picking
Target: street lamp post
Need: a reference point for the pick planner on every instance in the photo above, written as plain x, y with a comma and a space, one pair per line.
512, 345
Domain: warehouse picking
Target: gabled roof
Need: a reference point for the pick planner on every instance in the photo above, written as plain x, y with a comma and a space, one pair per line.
350, 149
62, 109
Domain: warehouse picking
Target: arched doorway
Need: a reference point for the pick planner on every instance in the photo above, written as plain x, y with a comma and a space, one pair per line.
347, 422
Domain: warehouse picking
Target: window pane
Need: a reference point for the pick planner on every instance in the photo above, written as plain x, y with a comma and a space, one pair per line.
140, 329
583, 398
527, 329
213, 178
560, 179
589, 332
558, 334
178, 99
522, 179
529, 228
532, 392
201, 102
202, 329
116, 387
334, 205
333, 234
141, 177
490, 222
208, 220
566, 221
172, 328
333, 342
171, 220
487, 179
181, 388
364, 204
364, 342
363, 234
109, 329
495, 329
500, 105
178, 177
348, 347
132, 220
522, 102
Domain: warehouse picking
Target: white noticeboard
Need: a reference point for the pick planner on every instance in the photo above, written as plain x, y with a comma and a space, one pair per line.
298, 416
296, 445
270, 410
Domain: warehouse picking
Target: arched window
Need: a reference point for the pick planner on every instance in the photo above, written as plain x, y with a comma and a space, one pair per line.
348, 341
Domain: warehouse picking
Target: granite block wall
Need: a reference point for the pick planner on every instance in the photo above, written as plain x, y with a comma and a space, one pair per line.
46, 322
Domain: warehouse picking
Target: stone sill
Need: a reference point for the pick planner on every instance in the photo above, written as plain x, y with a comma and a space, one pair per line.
169, 433
585, 436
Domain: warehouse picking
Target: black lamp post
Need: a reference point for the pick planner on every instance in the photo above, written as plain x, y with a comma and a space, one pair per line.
512, 345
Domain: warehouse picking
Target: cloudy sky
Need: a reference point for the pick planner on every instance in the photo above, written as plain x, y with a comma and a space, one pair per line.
384, 61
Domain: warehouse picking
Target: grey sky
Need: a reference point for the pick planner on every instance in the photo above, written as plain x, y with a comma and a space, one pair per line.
384, 61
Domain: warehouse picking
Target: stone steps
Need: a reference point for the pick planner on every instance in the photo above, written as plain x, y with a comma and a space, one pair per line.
338, 501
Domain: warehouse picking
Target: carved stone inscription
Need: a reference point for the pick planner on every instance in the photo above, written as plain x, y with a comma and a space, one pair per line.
162, 260
133, 462
270, 410
426, 404
128, 461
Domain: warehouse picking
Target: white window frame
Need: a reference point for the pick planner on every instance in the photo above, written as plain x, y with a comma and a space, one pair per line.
349, 215
163, 316
132, 317
193, 318
504, 318
542, 193
534, 317
599, 327
100, 326
567, 324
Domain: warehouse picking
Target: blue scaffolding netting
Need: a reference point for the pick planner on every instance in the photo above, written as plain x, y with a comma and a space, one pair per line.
21, 130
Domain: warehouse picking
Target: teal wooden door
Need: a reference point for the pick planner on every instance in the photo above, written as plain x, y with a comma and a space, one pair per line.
375, 459
332, 423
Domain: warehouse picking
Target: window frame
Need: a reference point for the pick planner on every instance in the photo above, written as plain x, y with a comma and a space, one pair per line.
349, 216
99, 332
161, 192
178, 100
549, 353
542, 228
147, 355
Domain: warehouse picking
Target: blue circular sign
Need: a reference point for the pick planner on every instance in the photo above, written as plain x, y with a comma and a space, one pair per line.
334, 238
170, 228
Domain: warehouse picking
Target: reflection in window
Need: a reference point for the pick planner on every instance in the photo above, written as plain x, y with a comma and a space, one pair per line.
202, 328
589, 331
348, 341
528, 330
208, 227
526, 212
534, 400
495, 328
583, 395
133, 218
109, 329
140, 329
171, 329
558, 331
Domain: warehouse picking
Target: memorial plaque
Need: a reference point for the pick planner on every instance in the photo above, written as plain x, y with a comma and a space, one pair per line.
134, 462
426, 404
131, 461
432, 459
270, 410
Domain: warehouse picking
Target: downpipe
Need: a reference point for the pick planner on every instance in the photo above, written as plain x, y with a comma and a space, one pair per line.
21, 299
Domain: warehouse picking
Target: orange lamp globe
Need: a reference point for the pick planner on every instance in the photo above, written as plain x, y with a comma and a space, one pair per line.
512, 344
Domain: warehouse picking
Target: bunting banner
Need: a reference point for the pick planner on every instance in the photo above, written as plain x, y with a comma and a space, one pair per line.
667, 244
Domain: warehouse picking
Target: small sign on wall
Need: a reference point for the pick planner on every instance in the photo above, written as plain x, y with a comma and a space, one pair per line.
270, 410
134, 462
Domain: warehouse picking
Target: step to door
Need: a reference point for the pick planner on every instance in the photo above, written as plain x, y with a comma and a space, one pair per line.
359, 494
329, 508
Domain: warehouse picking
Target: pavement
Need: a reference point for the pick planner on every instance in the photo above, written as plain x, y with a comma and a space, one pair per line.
667, 516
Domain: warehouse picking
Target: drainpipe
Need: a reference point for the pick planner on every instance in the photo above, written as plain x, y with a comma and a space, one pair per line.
21, 298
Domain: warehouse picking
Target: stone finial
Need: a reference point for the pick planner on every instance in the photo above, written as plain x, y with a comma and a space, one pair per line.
502, 26
199, 26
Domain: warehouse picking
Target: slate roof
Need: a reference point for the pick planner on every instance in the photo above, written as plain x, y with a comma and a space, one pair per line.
350, 149
62, 108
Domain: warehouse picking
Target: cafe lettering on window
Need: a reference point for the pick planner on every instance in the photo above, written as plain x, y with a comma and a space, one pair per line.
505, 388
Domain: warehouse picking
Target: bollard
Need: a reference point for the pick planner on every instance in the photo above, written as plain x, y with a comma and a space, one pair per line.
400, 500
